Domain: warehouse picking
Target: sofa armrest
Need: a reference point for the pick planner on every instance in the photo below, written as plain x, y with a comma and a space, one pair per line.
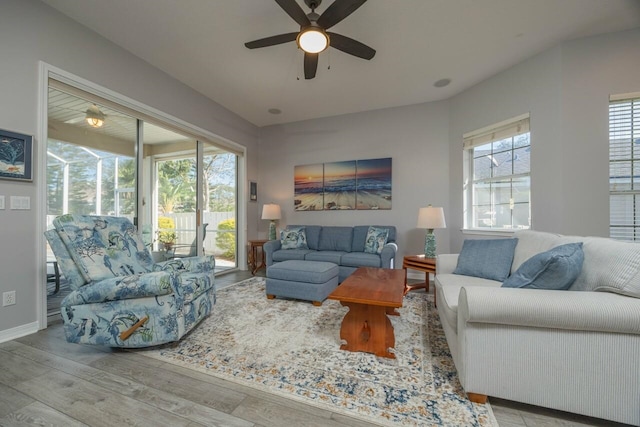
269, 248
446, 263
572, 310
121, 288
388, 255
193, 264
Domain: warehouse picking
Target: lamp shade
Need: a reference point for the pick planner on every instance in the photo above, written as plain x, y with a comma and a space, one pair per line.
431, 218
271, 211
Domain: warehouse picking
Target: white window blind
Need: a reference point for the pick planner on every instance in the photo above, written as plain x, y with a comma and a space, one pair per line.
498, 192
624, 168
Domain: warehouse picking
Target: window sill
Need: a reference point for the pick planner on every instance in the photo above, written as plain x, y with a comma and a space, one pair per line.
488, 232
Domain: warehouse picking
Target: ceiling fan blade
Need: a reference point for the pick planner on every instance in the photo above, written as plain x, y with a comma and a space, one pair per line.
350, 46
271, 41
310, 65
338, 10
294, 11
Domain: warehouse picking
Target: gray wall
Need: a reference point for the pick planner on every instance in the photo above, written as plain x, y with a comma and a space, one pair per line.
30, 32
415, 137
566, 90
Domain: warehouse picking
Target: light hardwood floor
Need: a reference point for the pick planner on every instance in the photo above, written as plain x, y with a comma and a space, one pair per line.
46, 381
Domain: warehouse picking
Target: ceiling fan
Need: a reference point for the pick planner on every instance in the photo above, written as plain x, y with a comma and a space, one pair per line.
313, 36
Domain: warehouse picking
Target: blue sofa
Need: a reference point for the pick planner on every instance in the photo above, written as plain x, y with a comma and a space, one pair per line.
343, 246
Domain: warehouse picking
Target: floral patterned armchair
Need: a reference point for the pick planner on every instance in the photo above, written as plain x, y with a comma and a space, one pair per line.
120, 297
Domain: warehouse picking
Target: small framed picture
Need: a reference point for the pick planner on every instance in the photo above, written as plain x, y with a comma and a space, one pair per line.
253, 191
16, 156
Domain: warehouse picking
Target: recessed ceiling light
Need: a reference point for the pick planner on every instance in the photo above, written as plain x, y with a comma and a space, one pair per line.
442, 83
274, 110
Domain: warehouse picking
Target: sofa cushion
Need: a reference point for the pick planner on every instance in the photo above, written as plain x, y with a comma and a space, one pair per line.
449, 290
360, 236
610, 266
313, 235
532, 242
287, 254
486, 258
360, 259
326, 256
335, 239
293, 238
375, 240
556, 268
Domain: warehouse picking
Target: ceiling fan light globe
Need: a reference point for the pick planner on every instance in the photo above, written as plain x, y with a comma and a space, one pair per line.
313, 40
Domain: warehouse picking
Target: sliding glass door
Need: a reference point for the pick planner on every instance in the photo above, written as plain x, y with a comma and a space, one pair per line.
179, 190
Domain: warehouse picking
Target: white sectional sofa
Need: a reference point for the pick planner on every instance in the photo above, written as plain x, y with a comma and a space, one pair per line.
576, 350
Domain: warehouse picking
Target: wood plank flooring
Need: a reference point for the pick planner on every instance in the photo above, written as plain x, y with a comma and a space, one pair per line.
46, 381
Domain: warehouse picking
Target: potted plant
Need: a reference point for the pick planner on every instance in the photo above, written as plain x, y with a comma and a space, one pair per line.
166, 235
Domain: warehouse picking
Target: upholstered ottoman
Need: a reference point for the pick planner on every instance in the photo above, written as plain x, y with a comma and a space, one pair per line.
305, 280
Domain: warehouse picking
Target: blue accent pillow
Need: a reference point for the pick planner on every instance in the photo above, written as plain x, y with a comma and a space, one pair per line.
294, 238
486, 258
556, 268
375, 240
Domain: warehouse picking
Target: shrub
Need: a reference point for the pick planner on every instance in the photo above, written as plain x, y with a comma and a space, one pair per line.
226, 242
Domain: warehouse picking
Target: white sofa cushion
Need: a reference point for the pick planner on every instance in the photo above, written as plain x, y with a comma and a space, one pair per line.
610, 266
450, 290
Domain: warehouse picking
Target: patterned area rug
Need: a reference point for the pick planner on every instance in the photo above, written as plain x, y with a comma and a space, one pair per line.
291, 348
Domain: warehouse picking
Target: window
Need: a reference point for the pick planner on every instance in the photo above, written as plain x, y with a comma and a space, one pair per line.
498, 176
624, 167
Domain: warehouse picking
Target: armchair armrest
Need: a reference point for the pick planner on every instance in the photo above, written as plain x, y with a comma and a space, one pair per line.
573, 310
446, 263
388, 255
194, 264
269, 248
121, 288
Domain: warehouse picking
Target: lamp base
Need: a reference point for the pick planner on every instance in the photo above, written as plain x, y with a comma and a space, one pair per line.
272, 230
429, 244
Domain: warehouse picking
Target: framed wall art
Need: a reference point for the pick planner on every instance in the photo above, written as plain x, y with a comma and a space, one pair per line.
345, 185
253, 191
16, 156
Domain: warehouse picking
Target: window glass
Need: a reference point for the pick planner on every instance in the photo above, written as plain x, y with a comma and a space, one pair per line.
500, 167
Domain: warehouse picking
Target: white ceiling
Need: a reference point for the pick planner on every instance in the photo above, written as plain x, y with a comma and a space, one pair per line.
201, 43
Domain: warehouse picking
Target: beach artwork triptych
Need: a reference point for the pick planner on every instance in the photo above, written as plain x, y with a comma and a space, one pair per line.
351, 184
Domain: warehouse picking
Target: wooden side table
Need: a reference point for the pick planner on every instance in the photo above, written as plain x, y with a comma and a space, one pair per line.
256, 247
420, 263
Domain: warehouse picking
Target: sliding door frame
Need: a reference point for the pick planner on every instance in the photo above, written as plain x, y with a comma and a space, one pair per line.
143, 111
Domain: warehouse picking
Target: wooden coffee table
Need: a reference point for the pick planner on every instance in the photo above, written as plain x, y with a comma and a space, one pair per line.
370, 294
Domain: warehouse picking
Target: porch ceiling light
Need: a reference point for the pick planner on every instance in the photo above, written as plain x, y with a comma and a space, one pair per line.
94, 117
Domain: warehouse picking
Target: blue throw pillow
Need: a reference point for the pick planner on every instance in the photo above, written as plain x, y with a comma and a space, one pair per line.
486, 258
375, 240
293, 238
556, 268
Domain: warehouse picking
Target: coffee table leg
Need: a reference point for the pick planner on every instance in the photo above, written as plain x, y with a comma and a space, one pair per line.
367, 328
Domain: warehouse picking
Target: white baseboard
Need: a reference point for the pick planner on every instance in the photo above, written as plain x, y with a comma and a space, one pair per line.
18, 331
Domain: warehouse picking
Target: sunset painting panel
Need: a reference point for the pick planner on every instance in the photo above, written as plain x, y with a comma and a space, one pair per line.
308, 187
373, 184
340, 185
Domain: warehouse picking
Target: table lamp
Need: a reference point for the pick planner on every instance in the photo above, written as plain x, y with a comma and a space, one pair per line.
271, 212
430, 218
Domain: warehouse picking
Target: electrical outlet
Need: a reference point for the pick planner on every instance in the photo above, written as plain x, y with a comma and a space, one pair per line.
8, 298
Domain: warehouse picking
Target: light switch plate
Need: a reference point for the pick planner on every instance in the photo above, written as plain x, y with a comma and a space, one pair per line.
1, 202
20, 202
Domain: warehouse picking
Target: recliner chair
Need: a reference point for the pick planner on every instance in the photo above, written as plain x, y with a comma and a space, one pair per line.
120, 297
